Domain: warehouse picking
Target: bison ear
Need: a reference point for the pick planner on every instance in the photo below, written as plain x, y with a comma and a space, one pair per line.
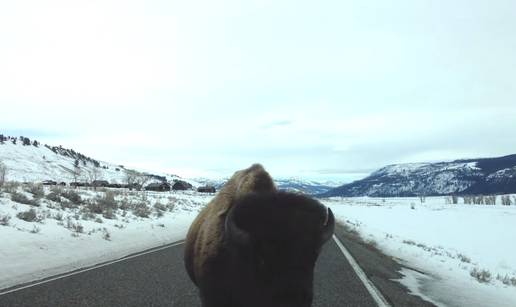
234, 233
328, 226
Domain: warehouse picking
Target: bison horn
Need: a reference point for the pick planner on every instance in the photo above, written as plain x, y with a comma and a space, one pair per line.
328, 226
235, 233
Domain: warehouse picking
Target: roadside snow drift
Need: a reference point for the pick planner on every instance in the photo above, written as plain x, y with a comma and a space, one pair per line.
466, 251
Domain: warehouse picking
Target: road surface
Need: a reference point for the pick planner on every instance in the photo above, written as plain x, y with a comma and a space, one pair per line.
158, 278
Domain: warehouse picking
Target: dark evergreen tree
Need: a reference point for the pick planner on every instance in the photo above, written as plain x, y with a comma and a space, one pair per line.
26, 141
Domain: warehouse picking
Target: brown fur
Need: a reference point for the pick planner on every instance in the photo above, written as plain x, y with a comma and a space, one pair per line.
205, 235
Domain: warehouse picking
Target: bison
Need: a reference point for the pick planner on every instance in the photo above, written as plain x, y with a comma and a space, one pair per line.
253, 245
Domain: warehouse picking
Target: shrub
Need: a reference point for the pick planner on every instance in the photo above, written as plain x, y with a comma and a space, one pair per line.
105, 234
95, 207
3, 171
106, 205
490, 200
22, 199
35, 229
126, 205
57, 189
468, 200
76, 227
53, 196
171, 206
108, 200
29, 216
409, 242
72, 196
86, 215
4, 220
506, 200
455, 199
506, 280
58, 216
464, 258
160, 207
67, 204
109, 214
483, 276
141, 210
159, 213
36, 190
478, 200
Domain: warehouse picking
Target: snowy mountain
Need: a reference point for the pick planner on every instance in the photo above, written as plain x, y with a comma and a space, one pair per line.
472, 176
304, 186
289, 184
30, 161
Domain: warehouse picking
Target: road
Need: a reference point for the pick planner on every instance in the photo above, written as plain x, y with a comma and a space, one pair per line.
158, 278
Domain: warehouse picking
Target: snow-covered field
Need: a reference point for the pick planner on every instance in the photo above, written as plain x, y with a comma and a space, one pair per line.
449, 243
66, 239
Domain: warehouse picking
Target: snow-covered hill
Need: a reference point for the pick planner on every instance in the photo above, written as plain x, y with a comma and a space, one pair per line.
31, 161
289, 184
473, 176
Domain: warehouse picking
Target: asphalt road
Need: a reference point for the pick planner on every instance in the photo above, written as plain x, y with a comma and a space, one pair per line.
159, 279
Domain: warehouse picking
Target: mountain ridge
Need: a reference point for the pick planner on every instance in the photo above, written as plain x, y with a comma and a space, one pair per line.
291, 184
458, 177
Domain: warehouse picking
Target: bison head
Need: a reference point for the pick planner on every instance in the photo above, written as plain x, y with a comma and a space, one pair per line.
272, 241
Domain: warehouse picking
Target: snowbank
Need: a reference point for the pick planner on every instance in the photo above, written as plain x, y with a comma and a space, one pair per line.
31, 250
446, 241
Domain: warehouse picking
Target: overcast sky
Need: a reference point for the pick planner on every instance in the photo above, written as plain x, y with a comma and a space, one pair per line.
319, 89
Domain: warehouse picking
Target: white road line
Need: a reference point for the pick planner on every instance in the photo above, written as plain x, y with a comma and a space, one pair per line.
93, 267
375, 293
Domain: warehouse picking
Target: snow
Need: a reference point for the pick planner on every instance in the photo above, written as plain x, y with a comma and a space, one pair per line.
36, 164
445, 241
54, 249
440, 244
408, 168
401, 169
30, 164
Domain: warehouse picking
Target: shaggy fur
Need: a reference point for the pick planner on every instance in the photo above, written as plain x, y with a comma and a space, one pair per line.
206, 232
273, 266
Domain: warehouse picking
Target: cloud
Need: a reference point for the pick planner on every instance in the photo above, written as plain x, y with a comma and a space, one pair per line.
278, 123
34, 133
337, 87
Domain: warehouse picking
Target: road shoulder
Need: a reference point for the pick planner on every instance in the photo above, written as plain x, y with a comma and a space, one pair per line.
381, 269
